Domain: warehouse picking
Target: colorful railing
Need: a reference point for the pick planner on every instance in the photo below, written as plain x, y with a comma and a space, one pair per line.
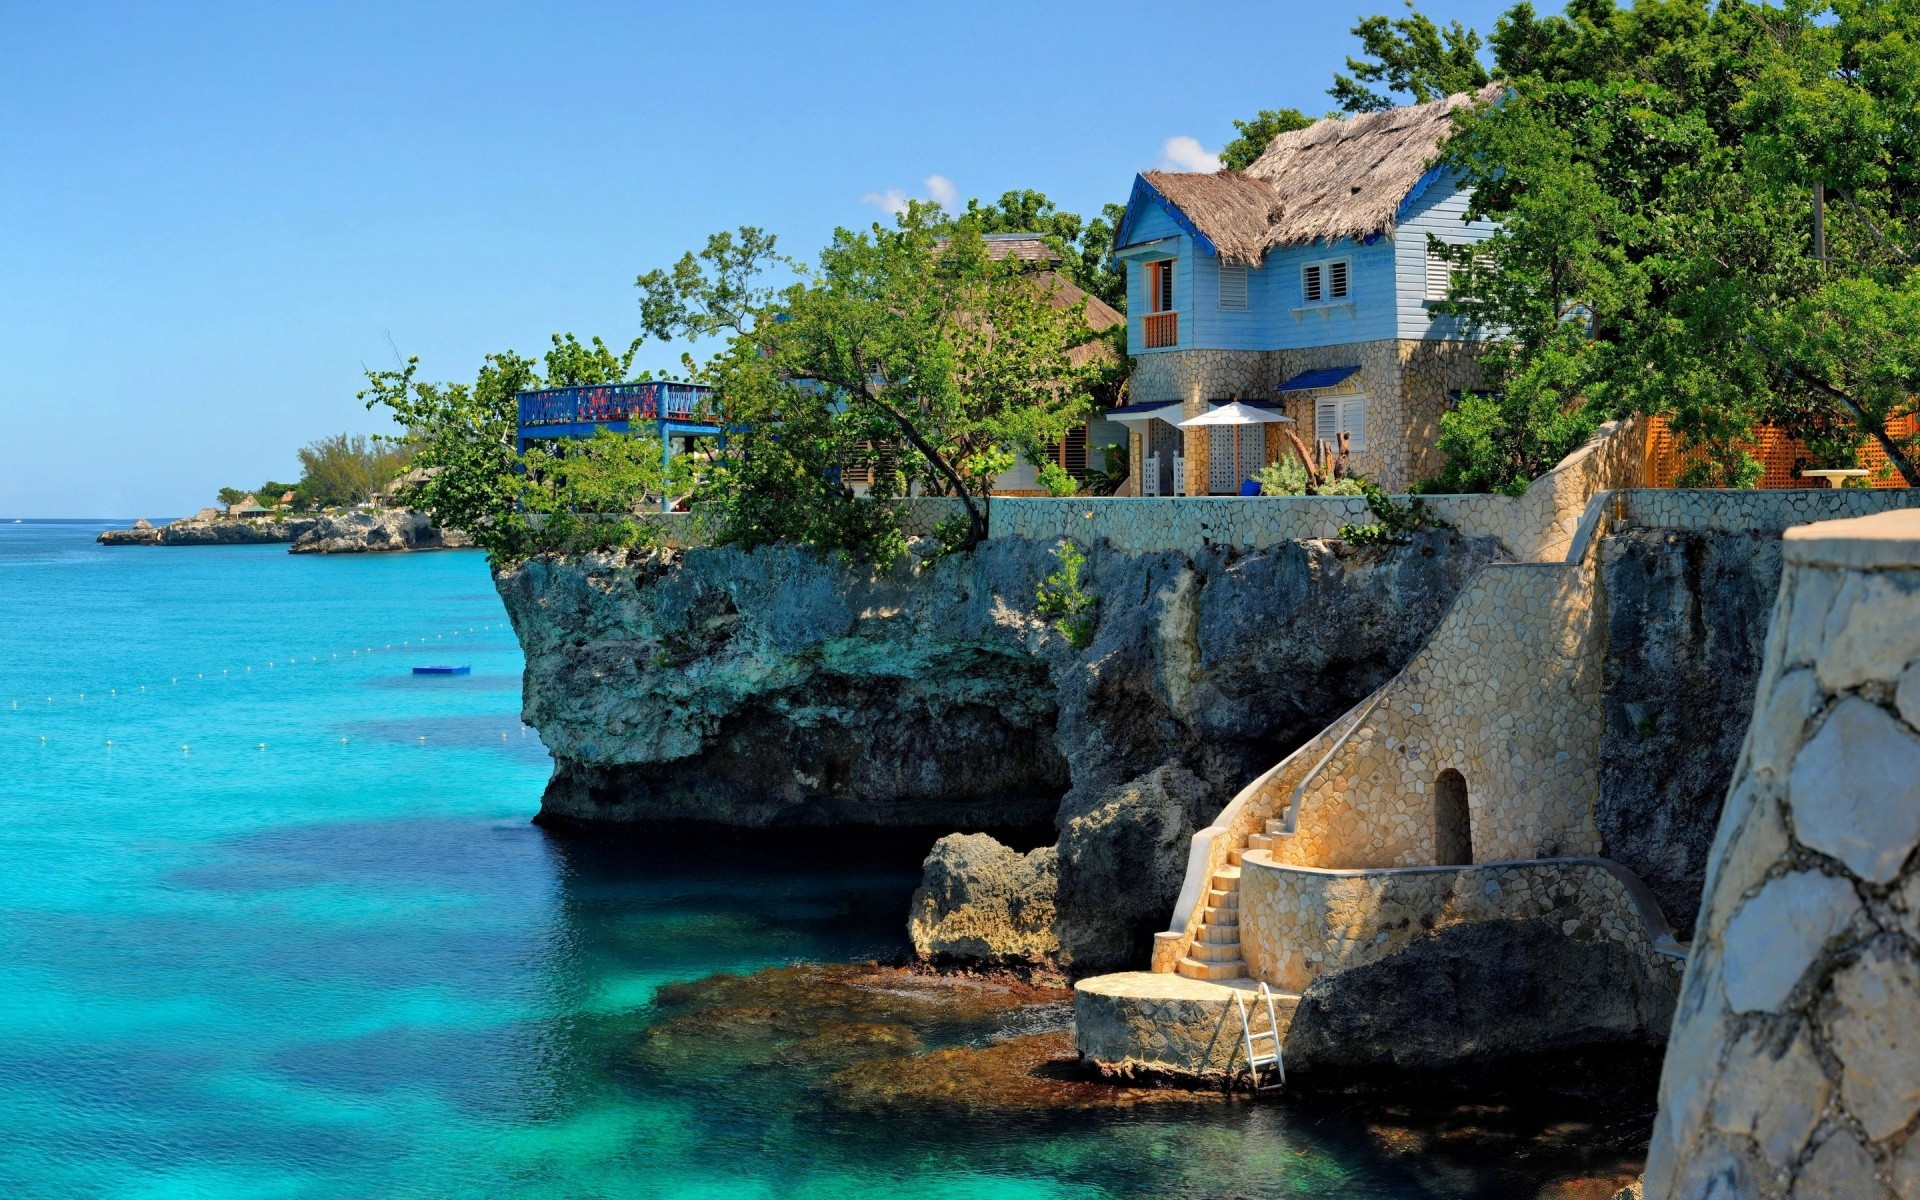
602, 403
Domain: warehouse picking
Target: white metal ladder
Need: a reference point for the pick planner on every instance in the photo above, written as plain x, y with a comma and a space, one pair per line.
1256, 1061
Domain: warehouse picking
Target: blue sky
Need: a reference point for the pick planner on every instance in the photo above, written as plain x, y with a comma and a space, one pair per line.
212, 217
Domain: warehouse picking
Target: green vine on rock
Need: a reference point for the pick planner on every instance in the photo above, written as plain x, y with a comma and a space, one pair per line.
1062, 597
1393, 522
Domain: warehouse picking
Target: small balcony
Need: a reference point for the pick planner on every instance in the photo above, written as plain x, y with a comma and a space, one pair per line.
611, 403
1161, 329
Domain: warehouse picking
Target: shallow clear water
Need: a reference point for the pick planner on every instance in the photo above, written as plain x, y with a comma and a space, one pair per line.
273, 924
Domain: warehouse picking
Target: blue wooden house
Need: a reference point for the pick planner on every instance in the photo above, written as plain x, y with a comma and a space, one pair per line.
1304, 281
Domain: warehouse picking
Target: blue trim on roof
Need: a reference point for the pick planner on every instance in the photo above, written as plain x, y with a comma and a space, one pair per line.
1143, 192
1324, 377
1128, 410
1414, 193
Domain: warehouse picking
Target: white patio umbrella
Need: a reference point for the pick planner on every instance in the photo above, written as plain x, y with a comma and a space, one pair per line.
1236, 414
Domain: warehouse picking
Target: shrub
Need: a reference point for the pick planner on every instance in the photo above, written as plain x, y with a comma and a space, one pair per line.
1062, 597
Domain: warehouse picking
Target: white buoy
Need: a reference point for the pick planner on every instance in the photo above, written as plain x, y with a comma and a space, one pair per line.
109, 741
183, 749
263, 745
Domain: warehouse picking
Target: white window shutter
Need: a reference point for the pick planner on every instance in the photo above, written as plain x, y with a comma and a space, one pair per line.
1439, 276
1233, 287
1337, 280
1310, 289
1326, 421
1353, 422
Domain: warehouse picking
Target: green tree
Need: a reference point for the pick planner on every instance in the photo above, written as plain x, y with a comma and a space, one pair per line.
1653, 170
347, 469
1267, 124
913, 335
1413, 57
1085, 245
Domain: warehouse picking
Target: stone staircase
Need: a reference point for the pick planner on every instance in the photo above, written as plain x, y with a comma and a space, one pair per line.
1215, 953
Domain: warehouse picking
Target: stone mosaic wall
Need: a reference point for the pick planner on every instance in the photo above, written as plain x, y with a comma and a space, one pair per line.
1794, 1067
1406, 383
1754, 512
1507, 692
1161, 1022
1538, 526
1297, 923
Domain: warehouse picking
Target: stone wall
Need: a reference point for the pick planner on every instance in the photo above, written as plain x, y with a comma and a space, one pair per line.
1726, 510
1405, 381
1300, 923
1506, 692
1540, 525
1794, 1066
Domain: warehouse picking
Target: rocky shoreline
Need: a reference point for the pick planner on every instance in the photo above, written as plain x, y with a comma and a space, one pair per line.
350, 533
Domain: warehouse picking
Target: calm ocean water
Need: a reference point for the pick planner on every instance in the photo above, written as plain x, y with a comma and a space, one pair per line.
273, 924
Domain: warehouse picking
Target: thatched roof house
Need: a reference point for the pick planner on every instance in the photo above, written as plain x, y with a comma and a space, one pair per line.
1307, 280
1337, 178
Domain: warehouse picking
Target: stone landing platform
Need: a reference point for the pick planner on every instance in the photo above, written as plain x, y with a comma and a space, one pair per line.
1158, 1021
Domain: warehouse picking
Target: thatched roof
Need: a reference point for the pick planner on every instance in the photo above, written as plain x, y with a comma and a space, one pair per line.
1236, 213
1346, 178
1028, 247
1337, 178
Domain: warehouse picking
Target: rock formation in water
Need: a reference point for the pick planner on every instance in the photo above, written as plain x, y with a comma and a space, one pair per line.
389, 529
351, 533
779, 688
193, 531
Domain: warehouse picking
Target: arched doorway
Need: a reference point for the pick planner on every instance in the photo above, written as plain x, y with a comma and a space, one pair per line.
1452, 825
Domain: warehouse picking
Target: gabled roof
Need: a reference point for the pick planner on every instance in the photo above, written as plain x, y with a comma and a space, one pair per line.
1235, 213
1337, 178
1348, 178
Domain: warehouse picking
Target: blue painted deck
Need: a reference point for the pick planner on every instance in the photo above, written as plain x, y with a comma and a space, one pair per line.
664, 410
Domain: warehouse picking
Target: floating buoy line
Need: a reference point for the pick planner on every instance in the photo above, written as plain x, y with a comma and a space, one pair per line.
174, 681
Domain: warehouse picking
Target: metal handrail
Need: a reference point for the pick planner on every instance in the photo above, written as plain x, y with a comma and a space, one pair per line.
611, 402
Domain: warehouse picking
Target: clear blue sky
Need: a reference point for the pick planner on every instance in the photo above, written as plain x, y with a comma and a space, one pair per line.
212, 216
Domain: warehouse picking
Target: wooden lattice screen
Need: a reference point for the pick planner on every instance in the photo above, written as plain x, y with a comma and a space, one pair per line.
1782, 458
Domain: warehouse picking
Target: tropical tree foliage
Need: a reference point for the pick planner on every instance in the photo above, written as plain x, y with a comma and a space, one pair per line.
348, 469
1267, 124
1654, 170
574, 497
909, 347
1085, 245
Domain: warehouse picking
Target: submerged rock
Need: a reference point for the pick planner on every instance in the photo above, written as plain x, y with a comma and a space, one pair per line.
1035, 1073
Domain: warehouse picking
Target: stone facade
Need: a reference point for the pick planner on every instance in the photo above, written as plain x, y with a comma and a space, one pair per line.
1299, 923
1507, 693
1794, 1067
1406, 383
1163, 1023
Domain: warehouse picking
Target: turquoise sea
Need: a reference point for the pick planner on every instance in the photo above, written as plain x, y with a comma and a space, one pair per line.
273, 923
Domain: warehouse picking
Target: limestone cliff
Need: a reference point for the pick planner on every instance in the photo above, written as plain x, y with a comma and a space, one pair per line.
365, 532
1686, 617
778, 688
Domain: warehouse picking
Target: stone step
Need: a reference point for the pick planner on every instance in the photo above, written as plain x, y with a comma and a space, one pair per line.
1218, 935
1220, 899
1260, 841
1235, 857
1277, 828
1194, 968
1208, 952
1229, 917
1226, 878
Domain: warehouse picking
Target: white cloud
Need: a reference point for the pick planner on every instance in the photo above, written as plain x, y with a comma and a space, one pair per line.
1183, 153
893, 201
939, 189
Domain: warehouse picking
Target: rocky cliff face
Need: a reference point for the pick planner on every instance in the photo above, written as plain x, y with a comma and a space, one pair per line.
1686, 620
776, 688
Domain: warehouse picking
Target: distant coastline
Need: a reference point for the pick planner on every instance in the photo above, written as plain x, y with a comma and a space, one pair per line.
379, 531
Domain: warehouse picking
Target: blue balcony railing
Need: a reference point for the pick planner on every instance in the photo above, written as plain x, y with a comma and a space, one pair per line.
605, 403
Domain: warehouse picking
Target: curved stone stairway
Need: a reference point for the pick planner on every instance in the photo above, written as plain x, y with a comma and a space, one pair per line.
1215, 953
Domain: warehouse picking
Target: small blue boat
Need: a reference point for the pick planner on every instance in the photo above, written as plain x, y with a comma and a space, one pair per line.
443, 670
